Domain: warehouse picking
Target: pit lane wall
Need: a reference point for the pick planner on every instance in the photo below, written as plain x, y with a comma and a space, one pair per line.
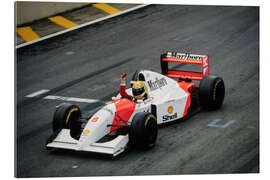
27, 12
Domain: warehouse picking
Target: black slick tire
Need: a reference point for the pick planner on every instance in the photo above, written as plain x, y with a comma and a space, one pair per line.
211, 92
143, 130
67, 116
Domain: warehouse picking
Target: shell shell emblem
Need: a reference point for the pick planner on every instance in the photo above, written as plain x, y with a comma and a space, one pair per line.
85, 132
170, 109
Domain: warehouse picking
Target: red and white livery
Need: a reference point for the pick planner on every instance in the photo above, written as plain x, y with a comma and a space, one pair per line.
172, 95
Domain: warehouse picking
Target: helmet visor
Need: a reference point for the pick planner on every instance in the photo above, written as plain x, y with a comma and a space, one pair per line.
137, 92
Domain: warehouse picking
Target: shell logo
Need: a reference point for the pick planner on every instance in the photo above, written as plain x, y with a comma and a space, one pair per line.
85, 132
170, 109
95, 119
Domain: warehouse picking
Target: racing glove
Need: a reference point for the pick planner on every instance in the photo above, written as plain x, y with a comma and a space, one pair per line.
123, 92
123, 79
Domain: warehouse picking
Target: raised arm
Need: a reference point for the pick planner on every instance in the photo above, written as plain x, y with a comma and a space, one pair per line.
123, 92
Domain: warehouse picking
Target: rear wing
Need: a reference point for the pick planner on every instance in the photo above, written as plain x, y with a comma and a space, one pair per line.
186, 58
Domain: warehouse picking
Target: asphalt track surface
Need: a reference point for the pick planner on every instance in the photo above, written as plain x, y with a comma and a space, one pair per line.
87, 63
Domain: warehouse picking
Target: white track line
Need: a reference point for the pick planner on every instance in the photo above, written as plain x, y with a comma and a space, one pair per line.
73, 99
37, 93
82, 25
61, 98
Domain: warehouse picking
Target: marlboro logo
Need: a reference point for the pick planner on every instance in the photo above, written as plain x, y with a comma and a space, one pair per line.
157, 83
184, 56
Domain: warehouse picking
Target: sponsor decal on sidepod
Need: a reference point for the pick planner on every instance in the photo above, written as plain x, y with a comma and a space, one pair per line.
169, 117
158, 83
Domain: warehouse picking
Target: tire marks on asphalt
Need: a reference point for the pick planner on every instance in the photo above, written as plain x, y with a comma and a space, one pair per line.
73, 82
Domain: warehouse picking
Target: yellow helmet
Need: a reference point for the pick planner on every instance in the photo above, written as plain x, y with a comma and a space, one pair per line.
139, 89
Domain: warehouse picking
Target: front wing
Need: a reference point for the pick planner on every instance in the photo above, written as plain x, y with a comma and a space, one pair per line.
114, 147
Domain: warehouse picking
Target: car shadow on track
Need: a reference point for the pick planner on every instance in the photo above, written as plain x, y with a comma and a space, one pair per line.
92, 155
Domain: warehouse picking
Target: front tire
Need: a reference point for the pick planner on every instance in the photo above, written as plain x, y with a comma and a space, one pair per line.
67, 116
143, 130
211, 92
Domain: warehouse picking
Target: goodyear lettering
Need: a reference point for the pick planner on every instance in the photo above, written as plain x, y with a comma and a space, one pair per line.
215, 89
169, 117
184, 56
158, 83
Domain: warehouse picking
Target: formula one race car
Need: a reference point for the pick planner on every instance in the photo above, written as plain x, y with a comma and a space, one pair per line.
123, 123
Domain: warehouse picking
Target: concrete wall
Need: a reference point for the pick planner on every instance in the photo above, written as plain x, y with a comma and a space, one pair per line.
29, 11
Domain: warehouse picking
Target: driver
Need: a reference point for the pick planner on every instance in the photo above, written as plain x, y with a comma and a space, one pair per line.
139, 89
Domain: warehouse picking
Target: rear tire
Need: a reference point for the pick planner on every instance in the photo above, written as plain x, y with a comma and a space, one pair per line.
211, 92
143, 130
67, 116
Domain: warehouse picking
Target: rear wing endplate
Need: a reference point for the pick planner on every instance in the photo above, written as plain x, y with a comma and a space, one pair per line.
186, 58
